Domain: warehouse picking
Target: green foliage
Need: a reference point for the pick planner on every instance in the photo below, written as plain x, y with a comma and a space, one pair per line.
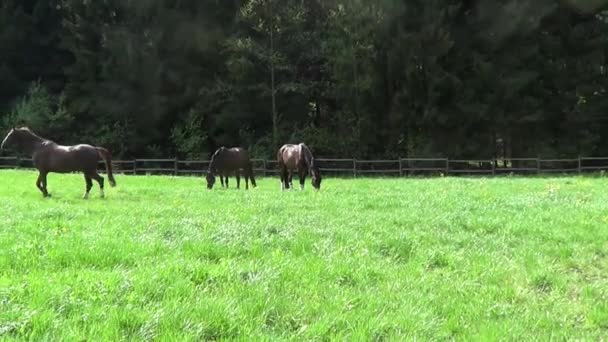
41, 111
35, 108
163, 258
368, 79
189, 136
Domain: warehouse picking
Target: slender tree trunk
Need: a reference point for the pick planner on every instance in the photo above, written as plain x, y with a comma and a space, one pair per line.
356, 92
275, 116
317, 121
495, 150
356, 81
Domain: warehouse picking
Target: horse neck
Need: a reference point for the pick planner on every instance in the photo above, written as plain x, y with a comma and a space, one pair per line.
213, 165
217, 161
306, 155
30, 143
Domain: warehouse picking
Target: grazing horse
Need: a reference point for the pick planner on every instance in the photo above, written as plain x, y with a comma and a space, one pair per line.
297, 157
51, 157
227, 160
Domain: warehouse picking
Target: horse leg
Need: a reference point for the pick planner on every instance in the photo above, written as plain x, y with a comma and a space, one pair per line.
283, 177
302, 174
291, 179
39, 184
222, 180
43, 183
99, 180
226, 176
250, 172
287, 173
89, 185
238, 179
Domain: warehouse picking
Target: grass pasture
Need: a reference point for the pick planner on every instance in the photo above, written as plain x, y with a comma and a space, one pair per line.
162, 258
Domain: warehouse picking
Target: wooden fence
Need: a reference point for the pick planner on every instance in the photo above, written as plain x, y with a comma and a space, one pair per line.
356, 168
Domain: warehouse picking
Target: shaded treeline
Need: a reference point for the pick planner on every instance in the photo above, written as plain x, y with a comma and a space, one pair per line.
456, 78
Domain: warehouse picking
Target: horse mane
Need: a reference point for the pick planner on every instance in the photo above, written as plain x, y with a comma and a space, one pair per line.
24, 128
214, 157
27, 130
33, 136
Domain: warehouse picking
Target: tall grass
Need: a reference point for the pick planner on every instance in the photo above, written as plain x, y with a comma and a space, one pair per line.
162, 258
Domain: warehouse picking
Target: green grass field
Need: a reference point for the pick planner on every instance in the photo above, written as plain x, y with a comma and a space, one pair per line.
162, 258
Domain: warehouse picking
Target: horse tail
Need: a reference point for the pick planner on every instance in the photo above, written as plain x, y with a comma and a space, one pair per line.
107, 157
280, 156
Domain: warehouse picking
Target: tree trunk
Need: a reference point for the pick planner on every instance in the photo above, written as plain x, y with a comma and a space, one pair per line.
356, 82
275, 116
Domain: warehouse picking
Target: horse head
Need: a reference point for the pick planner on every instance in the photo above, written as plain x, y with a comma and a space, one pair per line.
315, 174
210, 179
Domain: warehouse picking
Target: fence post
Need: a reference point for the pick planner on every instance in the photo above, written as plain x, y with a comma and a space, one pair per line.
400, 168
493, 166
447, 166
176, 166
134, 167
580, 169
17, 162
354, 167
264, 167
537, 165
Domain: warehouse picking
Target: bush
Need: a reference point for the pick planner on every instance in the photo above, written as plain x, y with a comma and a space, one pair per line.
188, 135
42, 112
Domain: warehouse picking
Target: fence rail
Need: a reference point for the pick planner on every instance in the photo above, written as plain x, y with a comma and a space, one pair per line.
358, 167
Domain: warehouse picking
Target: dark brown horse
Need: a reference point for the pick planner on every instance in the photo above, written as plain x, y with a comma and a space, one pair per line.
51, 157
297, 157
230, 160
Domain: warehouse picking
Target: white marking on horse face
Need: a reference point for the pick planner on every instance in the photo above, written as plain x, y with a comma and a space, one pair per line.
301, 187
85, 196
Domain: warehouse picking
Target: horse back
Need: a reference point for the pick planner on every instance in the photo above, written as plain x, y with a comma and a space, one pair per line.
233, 159
61, 158
289, 155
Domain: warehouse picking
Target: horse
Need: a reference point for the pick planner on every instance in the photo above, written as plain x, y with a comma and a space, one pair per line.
49, 156
227, 160
297, 157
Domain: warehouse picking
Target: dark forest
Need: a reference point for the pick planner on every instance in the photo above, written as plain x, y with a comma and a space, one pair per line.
356, 78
